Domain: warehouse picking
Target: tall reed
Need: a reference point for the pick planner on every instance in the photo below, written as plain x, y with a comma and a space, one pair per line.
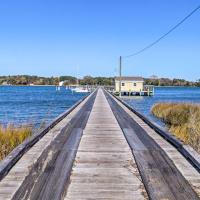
182, 119
11, 136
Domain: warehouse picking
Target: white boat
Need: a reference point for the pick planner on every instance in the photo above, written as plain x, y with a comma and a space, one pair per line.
77, 88
80, 90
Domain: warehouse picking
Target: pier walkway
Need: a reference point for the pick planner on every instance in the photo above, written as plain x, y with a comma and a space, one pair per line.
104, 167
101, 150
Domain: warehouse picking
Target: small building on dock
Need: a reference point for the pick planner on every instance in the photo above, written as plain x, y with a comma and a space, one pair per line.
133, 86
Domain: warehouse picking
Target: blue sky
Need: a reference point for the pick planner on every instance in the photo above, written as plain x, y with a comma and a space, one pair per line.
57, 37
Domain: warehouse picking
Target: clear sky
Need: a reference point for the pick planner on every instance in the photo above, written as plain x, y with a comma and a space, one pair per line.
86, 37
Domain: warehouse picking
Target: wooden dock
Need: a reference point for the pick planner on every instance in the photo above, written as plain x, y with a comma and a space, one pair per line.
104, 167
100, 150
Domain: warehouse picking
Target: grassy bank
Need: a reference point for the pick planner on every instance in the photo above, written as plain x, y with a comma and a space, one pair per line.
11, 136
183, 120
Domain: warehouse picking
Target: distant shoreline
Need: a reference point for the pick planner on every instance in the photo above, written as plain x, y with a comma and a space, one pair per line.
167, 86
30, 85
176, 86
26, 80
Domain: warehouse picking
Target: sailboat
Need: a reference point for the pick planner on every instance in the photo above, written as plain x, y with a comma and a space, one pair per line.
78, 88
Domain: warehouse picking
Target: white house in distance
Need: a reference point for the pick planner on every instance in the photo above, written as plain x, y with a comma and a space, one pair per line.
132, 86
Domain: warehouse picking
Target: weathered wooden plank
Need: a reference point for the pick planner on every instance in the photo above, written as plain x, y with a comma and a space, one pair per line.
161, 177
186, 169
192, 156
104, 167
49, 176
19, 151
52, 164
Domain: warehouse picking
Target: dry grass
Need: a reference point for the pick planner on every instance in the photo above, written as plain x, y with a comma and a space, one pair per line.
11, 136
182, 119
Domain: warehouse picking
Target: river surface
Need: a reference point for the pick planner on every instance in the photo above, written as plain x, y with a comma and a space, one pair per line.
164, 94
34, 104
39, 104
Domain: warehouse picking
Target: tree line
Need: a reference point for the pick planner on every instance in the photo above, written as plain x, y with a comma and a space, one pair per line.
171, 82
67, 80
88, 80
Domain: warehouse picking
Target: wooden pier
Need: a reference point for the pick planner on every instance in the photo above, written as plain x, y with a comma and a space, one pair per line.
104, 167
99, 150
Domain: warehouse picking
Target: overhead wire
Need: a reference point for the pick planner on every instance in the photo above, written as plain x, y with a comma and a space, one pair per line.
164, 35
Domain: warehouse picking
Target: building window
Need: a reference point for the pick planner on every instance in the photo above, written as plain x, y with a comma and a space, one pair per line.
134, 84
123, 84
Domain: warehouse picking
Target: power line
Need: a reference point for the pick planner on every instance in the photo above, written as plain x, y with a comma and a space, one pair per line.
163, 36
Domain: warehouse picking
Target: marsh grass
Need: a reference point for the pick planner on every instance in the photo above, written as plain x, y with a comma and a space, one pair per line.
182, 119
11, 136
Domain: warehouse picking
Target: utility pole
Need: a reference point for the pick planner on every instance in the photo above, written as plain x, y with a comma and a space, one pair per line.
120, 75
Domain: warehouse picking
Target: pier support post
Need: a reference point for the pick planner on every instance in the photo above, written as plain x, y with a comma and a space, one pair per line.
120, 75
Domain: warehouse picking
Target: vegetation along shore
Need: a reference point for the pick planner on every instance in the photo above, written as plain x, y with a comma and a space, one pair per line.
182, 120
88, 80
11, 136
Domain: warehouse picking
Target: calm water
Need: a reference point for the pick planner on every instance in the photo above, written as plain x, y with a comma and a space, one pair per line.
164, 94
34, 104
42, 104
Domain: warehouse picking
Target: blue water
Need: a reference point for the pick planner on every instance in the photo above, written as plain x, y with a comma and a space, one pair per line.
164, 94
21, 105
34, 104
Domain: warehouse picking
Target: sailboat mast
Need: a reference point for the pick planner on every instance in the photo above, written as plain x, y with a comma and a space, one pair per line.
77, 80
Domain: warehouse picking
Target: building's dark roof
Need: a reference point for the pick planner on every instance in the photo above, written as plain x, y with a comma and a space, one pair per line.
129, 78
